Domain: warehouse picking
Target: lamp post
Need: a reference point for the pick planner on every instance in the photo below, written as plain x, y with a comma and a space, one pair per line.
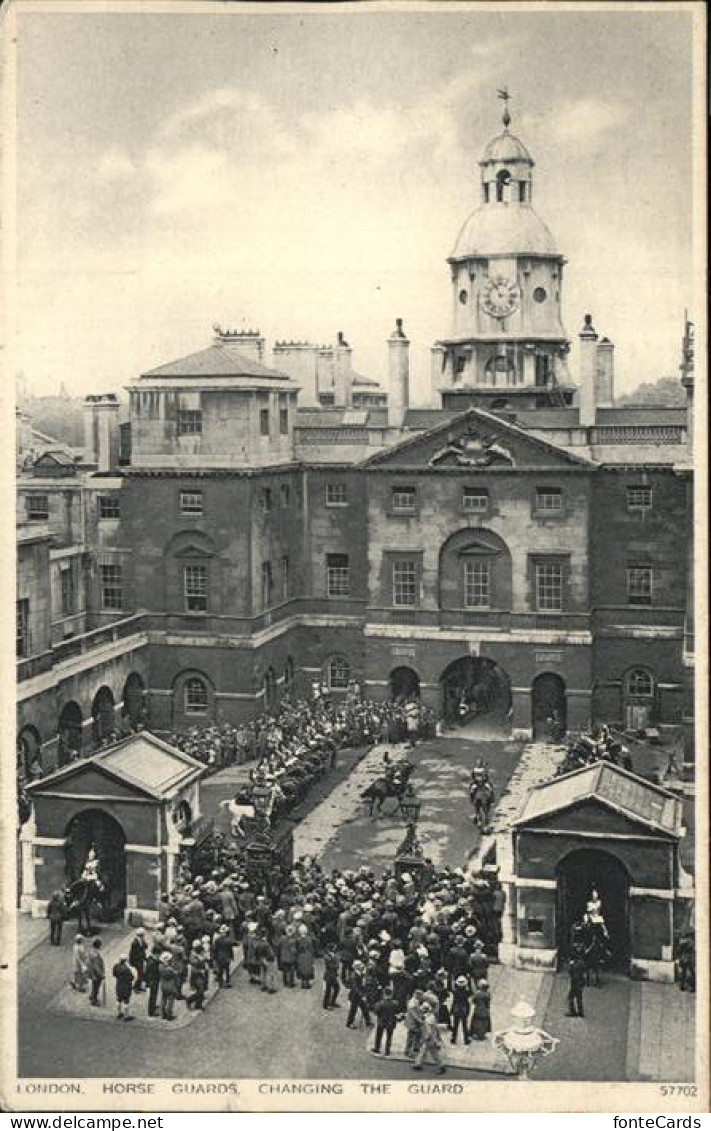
409, 858
524, 1044
410, 806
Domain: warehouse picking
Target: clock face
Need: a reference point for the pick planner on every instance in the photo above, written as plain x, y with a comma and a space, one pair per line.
501, 296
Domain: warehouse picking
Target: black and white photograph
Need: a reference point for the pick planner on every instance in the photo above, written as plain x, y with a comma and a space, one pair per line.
355, 745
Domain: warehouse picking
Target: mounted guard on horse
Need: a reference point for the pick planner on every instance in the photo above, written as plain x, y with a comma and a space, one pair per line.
481, 793
86, 893
392, 782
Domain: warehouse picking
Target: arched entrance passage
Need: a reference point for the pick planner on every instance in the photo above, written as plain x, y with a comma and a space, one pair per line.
69, 733
547, 696
29, 764
134, 695
578, 874
404, 684
102, 713
98, 829
475, 688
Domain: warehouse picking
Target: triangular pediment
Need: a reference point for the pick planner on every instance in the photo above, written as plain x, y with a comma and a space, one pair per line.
596, 818
89, 780
193, 551
476, 440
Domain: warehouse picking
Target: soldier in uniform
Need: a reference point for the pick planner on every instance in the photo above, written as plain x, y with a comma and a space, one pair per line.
576, 973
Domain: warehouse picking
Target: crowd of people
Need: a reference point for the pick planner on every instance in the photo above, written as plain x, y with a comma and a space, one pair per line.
602, 745
400, 954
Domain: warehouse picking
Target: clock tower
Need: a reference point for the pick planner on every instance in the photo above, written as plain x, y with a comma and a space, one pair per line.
508, 348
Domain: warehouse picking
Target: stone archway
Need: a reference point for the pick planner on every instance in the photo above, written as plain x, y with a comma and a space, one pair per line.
134, 699
102, 713
29, 758
69, 733
577, 875
98, 829
547, 695
476, 690
404, 684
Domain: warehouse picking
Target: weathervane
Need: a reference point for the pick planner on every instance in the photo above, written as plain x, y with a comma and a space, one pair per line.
505, 96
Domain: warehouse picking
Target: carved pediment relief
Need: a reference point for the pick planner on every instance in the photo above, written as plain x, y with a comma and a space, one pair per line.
473, 449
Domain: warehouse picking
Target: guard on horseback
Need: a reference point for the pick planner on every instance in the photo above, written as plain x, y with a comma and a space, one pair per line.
86, 892
481, 793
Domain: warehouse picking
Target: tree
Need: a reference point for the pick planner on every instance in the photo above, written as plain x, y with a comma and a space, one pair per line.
667, 392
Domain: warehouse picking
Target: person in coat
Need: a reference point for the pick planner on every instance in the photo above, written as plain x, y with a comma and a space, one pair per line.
80, 970
137, 954
386, 1012
331, 983
250, 947
460, 1008
198, 977
287, 956
152, 976
357, 996
123, 977
431, 1042
305, 958
56, 913
96, 971
577, 975
413, 1023
481, 1011
169, 986
267, 964
222, 956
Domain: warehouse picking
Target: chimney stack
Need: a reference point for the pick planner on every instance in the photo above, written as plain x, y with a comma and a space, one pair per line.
398, 376
588, 373
101, 431
343, 371
605, 374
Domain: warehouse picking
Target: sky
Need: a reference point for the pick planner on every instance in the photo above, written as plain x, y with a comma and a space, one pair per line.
305, 172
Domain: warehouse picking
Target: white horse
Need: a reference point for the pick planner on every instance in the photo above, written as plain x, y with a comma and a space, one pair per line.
238, 811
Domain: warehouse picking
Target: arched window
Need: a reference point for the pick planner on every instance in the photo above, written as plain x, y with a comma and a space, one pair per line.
503, 180
640, 683
196, 696
339, 674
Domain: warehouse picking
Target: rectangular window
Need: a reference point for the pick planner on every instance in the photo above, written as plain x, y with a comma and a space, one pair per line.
549, 499
111, 587
477, 584
549, 587
338, 582
264, 421
285, 579
336, 495
37, 508
475, 500
189, 422
404, 499
639, 498
405, 583
23, 627
460, 364
267, 585
284, 421
639, 585
109, 506
191, 502
266, 499
68, 592
195, 588
196, 699
285, 495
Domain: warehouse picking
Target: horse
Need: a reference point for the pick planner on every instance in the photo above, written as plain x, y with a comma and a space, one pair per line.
596, 951
391, 785
81, 897
481, 795
240, 808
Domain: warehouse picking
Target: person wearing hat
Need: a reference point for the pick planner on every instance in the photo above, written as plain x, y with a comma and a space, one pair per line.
96, 971
460, 1008
456, 962
386, 1012
481, 1011
305, 956
286, 953
413, 1022
222, 955
431, 1041
152, 978
331, 982
123, 976
56, 913
198, 977
80, 958
169, 986
357, 995
137, 954
478, 964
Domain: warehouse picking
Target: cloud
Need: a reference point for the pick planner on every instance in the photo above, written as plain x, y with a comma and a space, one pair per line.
115, 165
586, 120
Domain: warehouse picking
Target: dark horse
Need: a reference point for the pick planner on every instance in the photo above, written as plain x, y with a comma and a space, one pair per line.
84, 897
481, 795
596, 949
392, 785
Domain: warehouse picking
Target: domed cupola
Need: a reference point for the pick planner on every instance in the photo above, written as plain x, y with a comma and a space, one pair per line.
507, 339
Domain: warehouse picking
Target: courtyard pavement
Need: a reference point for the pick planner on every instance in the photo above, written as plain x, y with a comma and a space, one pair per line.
631, 1030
